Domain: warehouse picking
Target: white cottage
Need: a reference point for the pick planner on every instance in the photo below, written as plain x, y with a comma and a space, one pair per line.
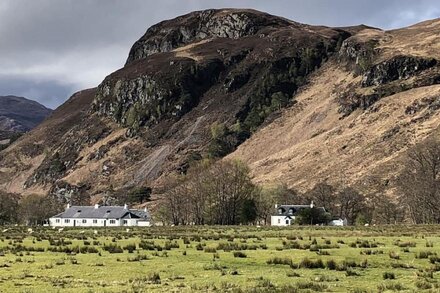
285, 214
100, 216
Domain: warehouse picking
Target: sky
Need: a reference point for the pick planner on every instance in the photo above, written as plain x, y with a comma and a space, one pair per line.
50, 49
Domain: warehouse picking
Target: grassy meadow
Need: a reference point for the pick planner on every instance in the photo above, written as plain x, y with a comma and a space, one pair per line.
221, 259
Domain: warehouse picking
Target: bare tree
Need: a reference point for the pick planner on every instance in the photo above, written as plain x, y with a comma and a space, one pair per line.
36, 209
350, 204
323, 195
212, 194
8, 208
419, 184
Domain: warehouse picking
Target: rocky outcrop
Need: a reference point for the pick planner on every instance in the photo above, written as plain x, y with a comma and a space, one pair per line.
398, 67
165, 94
201, 25
358, 54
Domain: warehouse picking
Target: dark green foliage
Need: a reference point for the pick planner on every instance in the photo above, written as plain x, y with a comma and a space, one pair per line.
312, 216
8, 208
225, 139
239, 254
140, 194
248, 211
389, 275
278, 84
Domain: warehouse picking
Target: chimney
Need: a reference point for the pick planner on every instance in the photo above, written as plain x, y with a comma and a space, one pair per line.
68, 206
96, 206
125, 207
276, 206
145, 209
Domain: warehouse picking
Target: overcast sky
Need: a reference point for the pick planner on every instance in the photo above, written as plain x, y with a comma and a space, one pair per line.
51, 48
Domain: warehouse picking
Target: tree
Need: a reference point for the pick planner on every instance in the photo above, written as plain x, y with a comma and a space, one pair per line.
248, 211
312, 216
8, 208
36, 209
419, 184
285, 195
323, 195
350, 204
217, 194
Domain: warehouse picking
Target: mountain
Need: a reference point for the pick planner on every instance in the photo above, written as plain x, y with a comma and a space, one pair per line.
18, 115
299, 103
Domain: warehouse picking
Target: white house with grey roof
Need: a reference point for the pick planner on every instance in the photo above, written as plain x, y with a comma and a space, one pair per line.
100, 216
285, 214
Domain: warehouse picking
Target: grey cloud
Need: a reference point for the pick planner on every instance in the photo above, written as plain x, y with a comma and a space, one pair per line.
51, 48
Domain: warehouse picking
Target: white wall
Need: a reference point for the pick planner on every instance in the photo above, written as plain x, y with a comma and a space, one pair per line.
99, 222
281, 221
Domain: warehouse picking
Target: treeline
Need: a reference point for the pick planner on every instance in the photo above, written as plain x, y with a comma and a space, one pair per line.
222, 193
28, 210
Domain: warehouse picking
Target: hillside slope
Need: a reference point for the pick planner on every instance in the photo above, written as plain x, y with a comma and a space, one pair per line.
352, 124
302, 104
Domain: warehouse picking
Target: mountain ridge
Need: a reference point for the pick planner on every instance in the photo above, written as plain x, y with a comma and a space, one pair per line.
309, 90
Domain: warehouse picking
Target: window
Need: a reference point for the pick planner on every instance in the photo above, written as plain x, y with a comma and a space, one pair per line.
279, 221
291, 210
280, 211
66, 221
287, 222
112, 221
125, 222
84, 221
95, 221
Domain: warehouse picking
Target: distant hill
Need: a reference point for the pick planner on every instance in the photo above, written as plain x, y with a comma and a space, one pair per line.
18, 114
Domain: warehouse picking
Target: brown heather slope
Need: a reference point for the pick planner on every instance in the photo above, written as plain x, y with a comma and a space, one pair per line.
313, 142
318, 103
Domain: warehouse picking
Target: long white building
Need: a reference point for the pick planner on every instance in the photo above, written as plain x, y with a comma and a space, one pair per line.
100, 216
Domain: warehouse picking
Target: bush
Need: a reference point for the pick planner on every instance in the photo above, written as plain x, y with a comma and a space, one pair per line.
240, 254
388, 275
210, 250
154, 278
331, 264
311, 264
280, 261
130, 248
394, 255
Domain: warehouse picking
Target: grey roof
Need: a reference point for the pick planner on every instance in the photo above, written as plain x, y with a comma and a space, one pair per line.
102, 212
292, 210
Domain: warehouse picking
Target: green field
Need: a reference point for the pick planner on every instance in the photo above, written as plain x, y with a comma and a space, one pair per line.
222, 259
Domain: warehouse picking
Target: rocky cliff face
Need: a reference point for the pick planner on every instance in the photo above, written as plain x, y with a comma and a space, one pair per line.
307, 90
201, 25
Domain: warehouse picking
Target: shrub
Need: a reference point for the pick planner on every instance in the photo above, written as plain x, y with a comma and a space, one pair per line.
388, 275
331, 264
154, 278
240, 254
293, 274
311, 264
393, 255
210, 250
351, 273
130, 248
280, 261
425, 254
113, 248
423, 284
